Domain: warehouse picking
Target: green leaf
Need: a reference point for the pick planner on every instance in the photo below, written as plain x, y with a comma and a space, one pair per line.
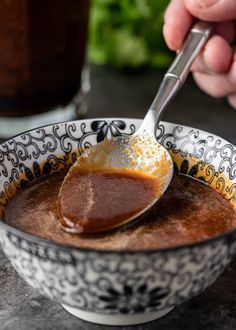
128, 33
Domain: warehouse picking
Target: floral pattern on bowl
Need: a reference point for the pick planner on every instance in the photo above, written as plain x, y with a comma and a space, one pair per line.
105, 286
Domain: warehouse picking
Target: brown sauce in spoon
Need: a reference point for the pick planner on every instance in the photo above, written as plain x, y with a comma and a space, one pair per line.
101, 200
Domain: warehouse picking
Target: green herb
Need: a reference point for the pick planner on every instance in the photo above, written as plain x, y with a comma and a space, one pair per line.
128, 33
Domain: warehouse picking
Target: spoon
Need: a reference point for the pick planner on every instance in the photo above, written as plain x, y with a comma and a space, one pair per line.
84, 202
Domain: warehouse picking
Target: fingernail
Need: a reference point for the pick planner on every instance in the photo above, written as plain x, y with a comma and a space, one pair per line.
202, 64
232, 72
164, 28
164, 32
206, 3
232, 100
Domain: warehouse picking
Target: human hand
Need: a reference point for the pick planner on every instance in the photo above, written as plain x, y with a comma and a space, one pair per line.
215, 68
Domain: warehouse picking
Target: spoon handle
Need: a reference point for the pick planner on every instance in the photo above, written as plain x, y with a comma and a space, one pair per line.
177, 73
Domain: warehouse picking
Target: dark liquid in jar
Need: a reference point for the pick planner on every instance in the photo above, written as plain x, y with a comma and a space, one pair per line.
42, 45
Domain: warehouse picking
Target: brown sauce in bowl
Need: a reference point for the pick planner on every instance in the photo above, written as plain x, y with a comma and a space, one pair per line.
189, 211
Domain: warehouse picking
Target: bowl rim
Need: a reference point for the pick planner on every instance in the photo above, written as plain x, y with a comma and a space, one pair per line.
67, 247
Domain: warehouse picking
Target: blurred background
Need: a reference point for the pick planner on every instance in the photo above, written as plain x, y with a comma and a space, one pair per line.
68, 59
128, 34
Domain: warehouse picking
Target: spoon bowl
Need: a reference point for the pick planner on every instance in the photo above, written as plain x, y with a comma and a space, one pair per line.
139, 153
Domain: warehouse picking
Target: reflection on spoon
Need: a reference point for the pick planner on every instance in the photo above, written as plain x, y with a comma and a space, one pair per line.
117, 180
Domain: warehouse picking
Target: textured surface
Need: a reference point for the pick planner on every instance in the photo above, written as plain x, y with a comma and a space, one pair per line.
113, 94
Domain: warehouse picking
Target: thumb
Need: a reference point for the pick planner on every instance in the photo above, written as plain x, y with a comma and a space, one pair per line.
212, 10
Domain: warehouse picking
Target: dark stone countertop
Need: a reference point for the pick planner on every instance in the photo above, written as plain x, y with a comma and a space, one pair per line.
129, 95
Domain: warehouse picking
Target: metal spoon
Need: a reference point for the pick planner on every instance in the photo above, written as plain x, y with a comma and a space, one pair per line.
140, 151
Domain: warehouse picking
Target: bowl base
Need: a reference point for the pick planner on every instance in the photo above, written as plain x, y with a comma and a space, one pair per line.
117, 320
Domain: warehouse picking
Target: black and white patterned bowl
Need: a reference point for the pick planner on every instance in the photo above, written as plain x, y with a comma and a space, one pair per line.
115, 287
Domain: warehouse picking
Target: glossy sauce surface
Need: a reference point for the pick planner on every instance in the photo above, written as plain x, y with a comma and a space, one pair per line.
101, 200
189, 211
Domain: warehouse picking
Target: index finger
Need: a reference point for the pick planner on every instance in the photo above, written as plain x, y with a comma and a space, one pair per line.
177, 22
214, 10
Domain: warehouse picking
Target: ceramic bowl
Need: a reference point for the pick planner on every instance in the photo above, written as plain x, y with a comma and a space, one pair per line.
106, 287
